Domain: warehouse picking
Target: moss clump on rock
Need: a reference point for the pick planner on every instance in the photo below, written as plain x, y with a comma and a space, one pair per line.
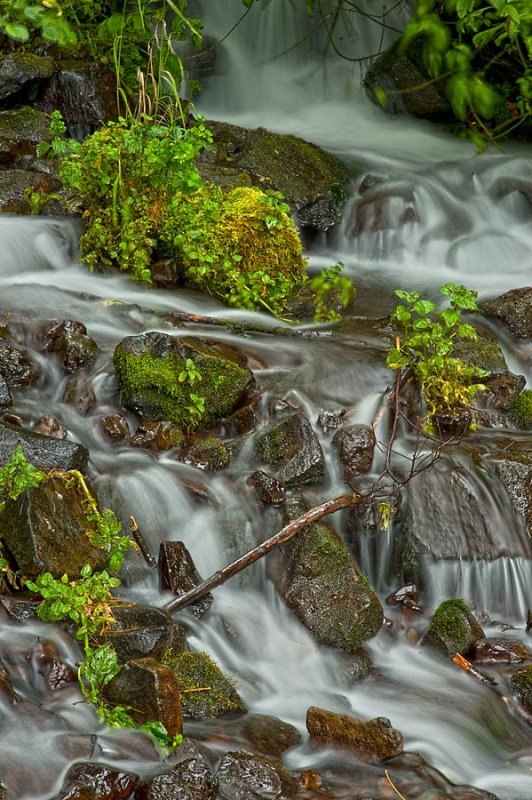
453, 628
241, 247
205, 690
522, 686
209, 454
521, 409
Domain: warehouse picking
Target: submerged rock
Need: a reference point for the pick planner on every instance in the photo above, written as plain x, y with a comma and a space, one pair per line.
70, 340
155, 385
206, 691
79, 394
291, 446
269, 735
453, 629
45, 452
178, 573
191, 779
116, 427
375, 737
513, 309
257, 777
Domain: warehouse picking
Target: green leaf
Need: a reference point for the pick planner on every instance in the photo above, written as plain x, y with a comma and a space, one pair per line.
16, 31
396, 359
403, 314
424, 307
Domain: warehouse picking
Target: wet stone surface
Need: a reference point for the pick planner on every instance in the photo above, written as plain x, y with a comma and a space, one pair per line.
178, 573
88, 781
375, 737
249, 775
44, 452
191, 779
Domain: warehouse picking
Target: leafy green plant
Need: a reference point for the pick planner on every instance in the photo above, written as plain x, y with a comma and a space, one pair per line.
190, 372
196, 409
425, 346
18, 475
331, 290
482, 51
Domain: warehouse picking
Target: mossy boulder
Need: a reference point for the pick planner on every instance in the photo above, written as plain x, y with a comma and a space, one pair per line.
453, 629
23, 71
513, 309
320, 582
374, 737
315, 183
155, 385
205, 690
521, 409
208, 454
20, 132
521, 683
291, 447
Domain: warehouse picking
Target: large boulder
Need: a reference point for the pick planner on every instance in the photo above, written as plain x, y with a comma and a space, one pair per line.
155, 385
22, 72
314, 182
453, 629
374, 737
45, 452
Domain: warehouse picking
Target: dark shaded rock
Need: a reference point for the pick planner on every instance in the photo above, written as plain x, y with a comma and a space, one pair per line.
45, 529
320, 582
157, 436
23, 71
116, 427
257, 777
398, 82
269, 491
178, 573
314, 182
269, 735
191, 779
69, 339
56, 673
88, 781
20, 132
7, 694
50, 426
453, 629
5, 394
501, 388
198, 671
84, 93
355, 445
521, 683
243, 420
151, 690
376, 737
165, 273
382, 209
354, 666
291, 446
139, 631
17, 368
514, 309
20, 609
44, 452
209, 455
493, 650
513, 467
17, 184
3, 792
148, 368
407, 595
79, 394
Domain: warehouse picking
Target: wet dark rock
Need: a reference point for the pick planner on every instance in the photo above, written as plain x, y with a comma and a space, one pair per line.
501, 388
383, 209
5, 394
401, 75
257, 777
375, 737
353, 667
331, 420
243, 420
513, 309
7, 694
269, 735
17, 367
151, 690
69, 339
355, 445
157, 436
20, 609
21, 131
80, 395
293, 449
91, 781
56, 673
521, 683
84, 93
320, 582
139, 631
496, 650
453, 629
165, 273
17, 184
314, 182
148, 368
191, 779
3, 792
513, 467
20, 71
269, 491
178, 573
209, 455
45, 529
198, 671
50, 426
45, 452
116, 427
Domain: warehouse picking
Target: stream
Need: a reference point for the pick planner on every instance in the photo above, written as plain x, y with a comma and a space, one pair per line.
468, 225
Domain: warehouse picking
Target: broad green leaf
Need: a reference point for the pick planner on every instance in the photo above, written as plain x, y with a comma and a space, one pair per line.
424, 306
18, 32
396, 359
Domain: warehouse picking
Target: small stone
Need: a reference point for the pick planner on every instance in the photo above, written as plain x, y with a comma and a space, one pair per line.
116, 428
355, 445
291, 446
191, 779
17, 367
453, 629
269, 735
375, 737
494, 650
80, 395
157, 436
88, 781
50, 426
331, 420
250, 775
56, 673
269, 490
69, 339
209, 455
178, 573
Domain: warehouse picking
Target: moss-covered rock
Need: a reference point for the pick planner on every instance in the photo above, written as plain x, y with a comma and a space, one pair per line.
315, 183
322, 585
20, 71
20, 132
513, 309
374, 737
156, 383
453, 628
293, 449
521, 409
205, 690
209, 454
522, 686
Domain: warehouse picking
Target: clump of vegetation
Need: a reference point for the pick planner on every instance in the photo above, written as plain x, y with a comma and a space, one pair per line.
425, 345
482, 51
205, 690
521, 409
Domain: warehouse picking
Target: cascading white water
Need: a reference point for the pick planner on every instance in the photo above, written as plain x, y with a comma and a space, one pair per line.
469, 216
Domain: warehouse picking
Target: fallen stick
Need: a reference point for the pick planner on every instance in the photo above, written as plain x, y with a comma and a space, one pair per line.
141, 543
467, 666
297, 525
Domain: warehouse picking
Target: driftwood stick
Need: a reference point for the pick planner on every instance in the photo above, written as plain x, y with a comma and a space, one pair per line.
261, 550
141, 543
241, 328
467, 666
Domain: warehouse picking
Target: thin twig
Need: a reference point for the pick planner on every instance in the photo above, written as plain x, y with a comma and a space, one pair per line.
141, 542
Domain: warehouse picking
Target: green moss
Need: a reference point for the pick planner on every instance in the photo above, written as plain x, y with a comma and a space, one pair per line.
453, 629
481, 352
522, 686
521, 409
205, 690
210, 454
